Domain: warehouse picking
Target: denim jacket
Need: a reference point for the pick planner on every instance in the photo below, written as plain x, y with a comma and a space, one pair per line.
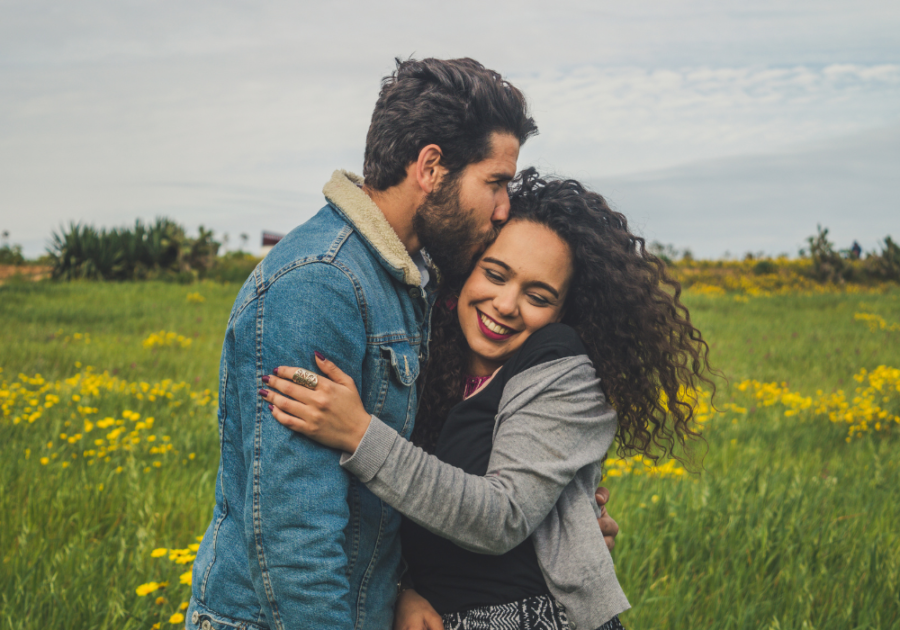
295, 541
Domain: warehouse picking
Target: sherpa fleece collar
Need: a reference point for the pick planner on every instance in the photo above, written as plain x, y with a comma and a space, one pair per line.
343, 190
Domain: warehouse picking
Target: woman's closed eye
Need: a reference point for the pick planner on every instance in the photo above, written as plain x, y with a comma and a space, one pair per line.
539, 300
494, 276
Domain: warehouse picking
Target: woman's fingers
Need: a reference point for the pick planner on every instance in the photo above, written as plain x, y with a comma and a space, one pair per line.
287, 405
291, 422
280, 379
334, 372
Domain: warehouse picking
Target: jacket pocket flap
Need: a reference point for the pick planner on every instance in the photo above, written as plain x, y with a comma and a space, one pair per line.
404, 361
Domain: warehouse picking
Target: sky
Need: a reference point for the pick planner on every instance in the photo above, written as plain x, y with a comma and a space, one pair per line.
723, 127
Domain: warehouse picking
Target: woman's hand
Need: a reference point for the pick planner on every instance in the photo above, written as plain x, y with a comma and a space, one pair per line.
331, 414
413, 612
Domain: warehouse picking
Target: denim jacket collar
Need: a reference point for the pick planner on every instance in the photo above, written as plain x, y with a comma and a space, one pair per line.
344, 193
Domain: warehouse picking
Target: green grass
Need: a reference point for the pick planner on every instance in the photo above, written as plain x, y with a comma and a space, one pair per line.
788, 526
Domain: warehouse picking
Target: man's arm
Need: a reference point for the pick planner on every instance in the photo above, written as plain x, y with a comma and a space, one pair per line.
296, 495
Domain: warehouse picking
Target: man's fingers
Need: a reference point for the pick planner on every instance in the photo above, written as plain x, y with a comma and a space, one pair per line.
610, 542
602, 496
608, 526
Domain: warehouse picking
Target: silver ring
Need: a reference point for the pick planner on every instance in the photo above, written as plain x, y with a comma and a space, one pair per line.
305, 378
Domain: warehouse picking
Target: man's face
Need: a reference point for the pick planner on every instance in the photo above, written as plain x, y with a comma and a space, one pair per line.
461, 216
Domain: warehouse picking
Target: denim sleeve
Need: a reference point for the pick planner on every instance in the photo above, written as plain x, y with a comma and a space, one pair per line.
296, 496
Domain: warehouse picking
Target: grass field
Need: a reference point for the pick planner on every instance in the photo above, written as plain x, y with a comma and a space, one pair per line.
110, 448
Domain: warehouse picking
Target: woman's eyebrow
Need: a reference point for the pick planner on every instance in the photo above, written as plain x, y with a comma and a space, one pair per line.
496, 262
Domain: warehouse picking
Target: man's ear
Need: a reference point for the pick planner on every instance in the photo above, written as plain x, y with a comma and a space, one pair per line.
428, 168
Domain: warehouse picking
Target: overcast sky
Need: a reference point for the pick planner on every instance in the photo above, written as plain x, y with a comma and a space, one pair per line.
718, 126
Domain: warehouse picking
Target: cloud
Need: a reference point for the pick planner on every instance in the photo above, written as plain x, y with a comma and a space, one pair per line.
233, 115
619, 120
771, 202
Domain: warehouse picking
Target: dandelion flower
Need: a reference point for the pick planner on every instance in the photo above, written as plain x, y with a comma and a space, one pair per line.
176, 618
145, 589
159, 552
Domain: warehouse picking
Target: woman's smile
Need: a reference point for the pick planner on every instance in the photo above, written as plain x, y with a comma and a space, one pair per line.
493, 329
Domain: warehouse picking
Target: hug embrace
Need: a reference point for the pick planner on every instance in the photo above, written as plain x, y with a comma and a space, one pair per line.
419, 385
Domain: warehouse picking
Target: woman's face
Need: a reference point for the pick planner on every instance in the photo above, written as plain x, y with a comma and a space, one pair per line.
518, 286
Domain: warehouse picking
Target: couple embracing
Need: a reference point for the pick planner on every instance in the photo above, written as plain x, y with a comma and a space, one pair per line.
418, 386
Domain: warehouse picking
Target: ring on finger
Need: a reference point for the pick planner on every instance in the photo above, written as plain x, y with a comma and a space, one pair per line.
305, 378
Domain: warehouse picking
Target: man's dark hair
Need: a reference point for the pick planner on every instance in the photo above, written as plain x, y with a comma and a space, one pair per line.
456, 104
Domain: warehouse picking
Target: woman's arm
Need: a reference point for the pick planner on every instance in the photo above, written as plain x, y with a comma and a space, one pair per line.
553, 420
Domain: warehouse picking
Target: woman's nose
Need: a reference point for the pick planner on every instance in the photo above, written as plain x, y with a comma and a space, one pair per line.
505, 303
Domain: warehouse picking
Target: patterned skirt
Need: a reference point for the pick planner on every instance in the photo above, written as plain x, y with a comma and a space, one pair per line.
541, 612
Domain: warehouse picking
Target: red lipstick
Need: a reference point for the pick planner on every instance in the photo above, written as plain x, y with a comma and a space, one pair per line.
490, 334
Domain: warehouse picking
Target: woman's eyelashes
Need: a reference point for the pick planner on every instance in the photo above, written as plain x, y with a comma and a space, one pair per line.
498, 278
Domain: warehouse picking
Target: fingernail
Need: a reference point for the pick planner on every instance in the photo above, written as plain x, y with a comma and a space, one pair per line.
275, 371
265, 378
263, 392
320, 356
271, 407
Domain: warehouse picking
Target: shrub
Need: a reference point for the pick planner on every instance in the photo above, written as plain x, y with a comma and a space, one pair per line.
160, 250
11, 255
884, 266
765, 267
828, 265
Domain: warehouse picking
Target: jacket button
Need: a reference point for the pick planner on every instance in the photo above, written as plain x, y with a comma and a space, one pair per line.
195, 618
415, 293
206, 625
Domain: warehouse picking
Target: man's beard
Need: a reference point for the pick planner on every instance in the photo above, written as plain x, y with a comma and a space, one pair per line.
449, 233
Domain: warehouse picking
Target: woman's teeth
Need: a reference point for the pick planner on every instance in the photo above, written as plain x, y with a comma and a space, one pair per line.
494, 327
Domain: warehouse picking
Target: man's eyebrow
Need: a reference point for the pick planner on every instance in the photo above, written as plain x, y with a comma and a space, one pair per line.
536, 283
502, 177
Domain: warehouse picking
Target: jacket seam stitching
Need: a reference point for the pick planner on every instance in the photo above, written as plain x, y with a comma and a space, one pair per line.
257, 518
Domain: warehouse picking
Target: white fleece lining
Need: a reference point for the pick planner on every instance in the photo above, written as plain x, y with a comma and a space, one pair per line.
343, 190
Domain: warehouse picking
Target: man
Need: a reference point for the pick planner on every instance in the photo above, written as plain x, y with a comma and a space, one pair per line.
294, 541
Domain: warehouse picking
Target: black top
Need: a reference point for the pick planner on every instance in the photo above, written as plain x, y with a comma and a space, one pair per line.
453, 579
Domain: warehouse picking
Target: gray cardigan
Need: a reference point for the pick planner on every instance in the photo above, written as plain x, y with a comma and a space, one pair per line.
552, 429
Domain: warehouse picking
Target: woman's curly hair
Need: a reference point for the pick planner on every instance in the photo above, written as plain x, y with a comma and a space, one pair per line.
624, 306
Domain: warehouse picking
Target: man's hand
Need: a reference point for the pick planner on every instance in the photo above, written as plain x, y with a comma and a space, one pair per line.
607, 525
413, 612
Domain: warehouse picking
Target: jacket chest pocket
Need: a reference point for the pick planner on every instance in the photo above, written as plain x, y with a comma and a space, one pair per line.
404, 362
401, 363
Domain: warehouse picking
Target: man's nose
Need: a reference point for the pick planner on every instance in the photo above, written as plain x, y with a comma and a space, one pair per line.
501, 210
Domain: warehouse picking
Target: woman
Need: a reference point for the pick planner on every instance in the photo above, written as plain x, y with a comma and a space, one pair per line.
497, 485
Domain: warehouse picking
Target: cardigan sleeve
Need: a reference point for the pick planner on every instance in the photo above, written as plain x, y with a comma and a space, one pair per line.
553, 420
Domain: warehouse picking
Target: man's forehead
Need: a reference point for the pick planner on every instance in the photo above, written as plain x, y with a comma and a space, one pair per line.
503, 157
